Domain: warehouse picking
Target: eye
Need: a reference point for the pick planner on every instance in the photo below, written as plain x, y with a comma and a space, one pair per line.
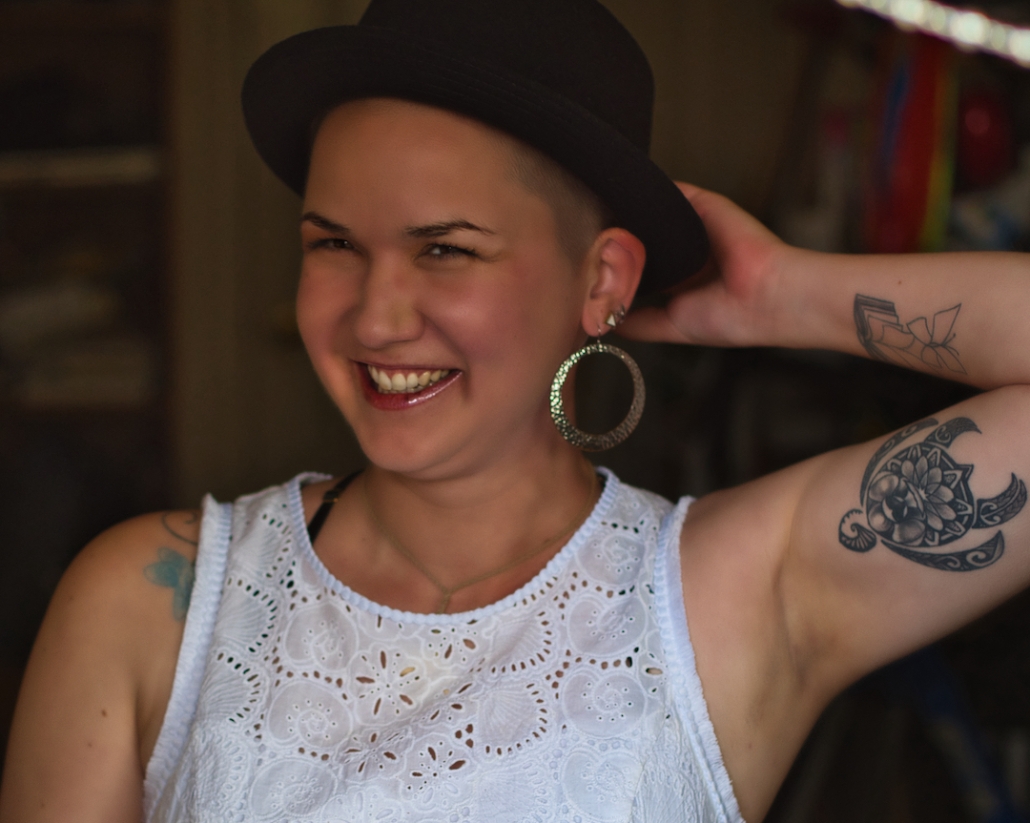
443, 251
329, 244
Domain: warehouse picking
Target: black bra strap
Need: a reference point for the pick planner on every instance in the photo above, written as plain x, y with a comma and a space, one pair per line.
331, 496
328, 499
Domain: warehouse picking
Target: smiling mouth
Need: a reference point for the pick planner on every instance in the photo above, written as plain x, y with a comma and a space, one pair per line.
405, 382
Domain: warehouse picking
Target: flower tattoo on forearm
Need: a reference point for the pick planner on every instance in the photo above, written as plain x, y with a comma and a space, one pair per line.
917, 501
920, 343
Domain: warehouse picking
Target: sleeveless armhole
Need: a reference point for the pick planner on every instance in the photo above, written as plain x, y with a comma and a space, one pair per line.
212, 550
688, 693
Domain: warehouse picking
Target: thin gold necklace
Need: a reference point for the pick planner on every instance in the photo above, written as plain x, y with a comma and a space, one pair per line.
447, 591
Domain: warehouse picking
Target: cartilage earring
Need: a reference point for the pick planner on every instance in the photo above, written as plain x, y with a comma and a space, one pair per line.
579, 438
616, 317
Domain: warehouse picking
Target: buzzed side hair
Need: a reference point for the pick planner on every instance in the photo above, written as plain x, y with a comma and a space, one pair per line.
579, 214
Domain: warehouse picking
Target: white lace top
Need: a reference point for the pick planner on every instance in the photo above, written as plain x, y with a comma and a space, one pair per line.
573, 699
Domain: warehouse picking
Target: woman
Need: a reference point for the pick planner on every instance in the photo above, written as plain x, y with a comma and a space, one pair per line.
479, 626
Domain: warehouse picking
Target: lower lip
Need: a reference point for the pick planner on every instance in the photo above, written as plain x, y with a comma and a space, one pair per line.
401, 400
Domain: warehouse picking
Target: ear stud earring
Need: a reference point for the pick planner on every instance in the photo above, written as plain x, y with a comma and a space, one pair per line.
616, 317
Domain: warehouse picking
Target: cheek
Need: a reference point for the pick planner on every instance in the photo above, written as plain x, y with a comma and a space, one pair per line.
309, 314
520, 328
545, 308
321, 302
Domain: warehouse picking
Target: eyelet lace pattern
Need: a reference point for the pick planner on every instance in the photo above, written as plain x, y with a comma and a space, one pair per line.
556, 704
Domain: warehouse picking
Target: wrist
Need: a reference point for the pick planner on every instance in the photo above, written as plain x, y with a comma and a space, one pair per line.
779, 306
800, 311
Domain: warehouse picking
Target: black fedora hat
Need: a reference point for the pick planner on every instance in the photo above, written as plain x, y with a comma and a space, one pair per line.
563, 76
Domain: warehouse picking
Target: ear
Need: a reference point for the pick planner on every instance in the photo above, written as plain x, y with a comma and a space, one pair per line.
616, 262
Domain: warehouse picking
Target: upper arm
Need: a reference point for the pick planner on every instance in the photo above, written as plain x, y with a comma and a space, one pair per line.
898, 542
99, 676
796, 584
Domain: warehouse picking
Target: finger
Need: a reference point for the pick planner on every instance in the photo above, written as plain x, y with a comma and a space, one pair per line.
703, 200
729, 227
690, 191
714, 210
652, 325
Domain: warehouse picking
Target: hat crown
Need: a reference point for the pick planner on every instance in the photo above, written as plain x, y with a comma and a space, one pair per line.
575, 48
563, 76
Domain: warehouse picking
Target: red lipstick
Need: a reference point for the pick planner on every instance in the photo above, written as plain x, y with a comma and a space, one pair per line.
401, 400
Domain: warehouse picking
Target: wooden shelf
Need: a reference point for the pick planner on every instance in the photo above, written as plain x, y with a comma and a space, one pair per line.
25, 16
80, 168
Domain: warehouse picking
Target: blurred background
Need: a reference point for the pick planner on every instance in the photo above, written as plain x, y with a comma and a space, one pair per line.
148, 352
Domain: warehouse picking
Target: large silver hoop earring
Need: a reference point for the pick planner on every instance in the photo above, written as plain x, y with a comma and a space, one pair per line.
579, 438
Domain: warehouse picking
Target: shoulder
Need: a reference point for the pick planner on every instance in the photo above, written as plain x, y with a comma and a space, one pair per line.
122, 548
116, 572
101, 670
123, 602
115, 575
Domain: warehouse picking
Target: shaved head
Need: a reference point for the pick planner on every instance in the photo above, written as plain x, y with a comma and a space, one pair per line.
579, 214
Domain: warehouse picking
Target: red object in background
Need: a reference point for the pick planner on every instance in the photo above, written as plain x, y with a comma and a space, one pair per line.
910, 181
986, 144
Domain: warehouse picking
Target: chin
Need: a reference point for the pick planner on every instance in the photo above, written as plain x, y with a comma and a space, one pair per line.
410, 441
417, 457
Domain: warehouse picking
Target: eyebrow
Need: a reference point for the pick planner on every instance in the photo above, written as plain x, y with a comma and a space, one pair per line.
325, 223
428, 231
445, 227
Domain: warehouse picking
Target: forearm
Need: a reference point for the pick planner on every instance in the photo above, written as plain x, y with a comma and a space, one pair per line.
963, 316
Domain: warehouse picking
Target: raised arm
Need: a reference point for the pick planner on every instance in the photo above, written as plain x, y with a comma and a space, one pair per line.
100, 675
957, 315
801, 582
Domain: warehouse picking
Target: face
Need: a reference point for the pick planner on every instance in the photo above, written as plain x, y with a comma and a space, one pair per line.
429, 269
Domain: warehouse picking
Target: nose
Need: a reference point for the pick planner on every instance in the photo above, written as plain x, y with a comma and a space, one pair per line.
387, 310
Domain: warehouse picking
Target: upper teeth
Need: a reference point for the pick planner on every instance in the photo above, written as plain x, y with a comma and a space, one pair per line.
411, 382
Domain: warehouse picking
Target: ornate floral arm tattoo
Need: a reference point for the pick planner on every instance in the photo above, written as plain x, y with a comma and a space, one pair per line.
916, 500
915, 344
174, 571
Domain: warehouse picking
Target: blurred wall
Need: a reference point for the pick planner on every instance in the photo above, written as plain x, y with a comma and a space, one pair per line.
726, 74
247, 410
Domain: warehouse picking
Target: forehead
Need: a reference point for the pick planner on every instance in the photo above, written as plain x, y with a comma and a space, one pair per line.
382, 163
408, 134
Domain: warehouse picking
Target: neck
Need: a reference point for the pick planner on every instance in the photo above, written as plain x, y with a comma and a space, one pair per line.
471, 525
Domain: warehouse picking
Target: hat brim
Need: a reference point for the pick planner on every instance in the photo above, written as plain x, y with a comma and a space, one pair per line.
300, 79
